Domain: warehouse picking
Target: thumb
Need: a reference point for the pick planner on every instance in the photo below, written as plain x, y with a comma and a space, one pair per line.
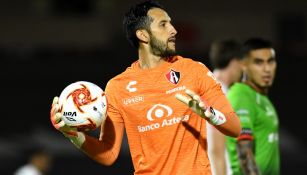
55, 100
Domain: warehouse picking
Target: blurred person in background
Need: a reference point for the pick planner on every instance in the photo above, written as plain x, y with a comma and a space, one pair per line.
225, 60
39, 163
166, 130
256, 150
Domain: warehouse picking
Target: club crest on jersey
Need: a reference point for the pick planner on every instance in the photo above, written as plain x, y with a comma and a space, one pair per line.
173, 76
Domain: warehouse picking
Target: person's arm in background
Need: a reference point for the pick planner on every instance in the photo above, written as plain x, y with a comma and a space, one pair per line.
216, 150
245, 152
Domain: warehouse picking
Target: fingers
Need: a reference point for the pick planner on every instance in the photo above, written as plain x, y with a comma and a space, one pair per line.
187, 100
193, 100
193, 95
55, 106
59, 125
196, 97
54, 110
70, 133
190, 92
201, 104
183, 98
192, 103
57, 117
55, 100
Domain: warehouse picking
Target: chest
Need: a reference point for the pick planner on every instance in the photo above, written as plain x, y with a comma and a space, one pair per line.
153, 86
266, 114
149, 98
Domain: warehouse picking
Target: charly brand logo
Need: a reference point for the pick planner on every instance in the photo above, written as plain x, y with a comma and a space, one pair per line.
129, 86
162, 114
173, 76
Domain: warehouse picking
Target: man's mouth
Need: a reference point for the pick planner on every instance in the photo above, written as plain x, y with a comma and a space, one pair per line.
267, 78
172, 39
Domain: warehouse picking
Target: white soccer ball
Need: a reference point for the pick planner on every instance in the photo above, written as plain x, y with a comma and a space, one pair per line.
83, 106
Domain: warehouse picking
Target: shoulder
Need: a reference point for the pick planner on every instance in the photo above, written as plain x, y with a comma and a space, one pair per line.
113, 82
239, 88
198, 70
189, 61
191, 64
241, 93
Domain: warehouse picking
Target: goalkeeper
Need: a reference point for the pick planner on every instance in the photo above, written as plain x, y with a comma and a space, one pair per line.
166, 132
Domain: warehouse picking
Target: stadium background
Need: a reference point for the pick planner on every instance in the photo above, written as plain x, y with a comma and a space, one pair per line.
47, 44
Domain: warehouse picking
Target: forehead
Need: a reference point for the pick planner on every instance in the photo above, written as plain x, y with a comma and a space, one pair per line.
264, 53
158, 14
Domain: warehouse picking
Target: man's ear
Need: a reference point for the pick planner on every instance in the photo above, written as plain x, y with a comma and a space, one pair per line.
243, 64
142, 35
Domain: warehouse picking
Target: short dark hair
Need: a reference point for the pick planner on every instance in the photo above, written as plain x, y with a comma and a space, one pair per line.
223, 51
136, 18
254, 44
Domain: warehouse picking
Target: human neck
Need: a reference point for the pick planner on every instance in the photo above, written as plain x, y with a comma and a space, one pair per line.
147, 60
261, 90
223, 76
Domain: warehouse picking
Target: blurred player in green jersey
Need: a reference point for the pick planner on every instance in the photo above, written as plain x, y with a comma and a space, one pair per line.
256, 150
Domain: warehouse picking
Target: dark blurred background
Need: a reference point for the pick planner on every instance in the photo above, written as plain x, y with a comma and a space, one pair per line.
47, 44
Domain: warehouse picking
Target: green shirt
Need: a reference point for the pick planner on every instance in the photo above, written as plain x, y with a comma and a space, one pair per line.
259, 119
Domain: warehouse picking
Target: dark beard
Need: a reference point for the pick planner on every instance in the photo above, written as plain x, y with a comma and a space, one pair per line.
159, 48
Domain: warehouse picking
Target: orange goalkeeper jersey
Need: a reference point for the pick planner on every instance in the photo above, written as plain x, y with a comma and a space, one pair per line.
165, 137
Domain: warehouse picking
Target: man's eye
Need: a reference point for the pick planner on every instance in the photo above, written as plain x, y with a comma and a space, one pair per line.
258, 62
272, 61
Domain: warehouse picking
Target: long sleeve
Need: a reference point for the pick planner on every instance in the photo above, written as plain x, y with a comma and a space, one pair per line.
106, 151
211, 92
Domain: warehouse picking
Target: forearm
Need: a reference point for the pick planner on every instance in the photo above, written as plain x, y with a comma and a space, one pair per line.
218, 163
102, 152
231, 127
246, 158
216, 150
105, 151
